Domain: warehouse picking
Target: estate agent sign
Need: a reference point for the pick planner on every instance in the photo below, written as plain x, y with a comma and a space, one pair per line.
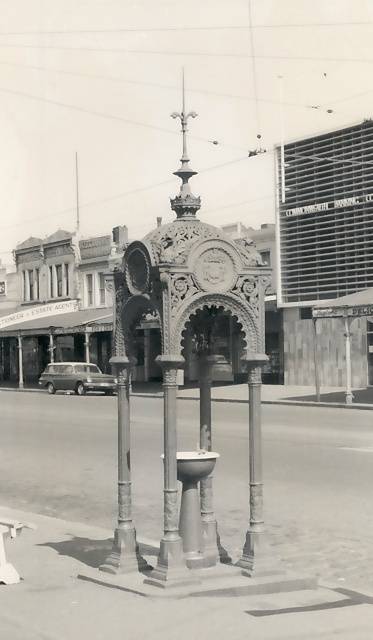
41, 311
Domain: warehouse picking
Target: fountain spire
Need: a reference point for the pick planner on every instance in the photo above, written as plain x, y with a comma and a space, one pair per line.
185, 204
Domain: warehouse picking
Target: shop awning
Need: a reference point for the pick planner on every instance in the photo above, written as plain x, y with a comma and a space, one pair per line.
354, 304
73, 322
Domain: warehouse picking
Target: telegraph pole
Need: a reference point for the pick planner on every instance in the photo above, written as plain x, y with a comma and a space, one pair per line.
77, 193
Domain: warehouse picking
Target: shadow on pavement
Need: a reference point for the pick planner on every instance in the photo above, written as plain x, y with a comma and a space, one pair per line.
353, 599
361, 396
92, 553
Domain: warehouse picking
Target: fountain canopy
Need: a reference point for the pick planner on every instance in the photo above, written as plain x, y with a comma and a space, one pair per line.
186, 266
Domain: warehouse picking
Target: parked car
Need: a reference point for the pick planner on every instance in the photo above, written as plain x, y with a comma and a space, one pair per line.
76, 376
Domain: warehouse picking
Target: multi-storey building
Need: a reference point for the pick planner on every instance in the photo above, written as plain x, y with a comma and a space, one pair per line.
56, 306
265, 243
325, 249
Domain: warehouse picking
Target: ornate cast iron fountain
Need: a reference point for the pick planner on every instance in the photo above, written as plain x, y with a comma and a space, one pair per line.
174, 273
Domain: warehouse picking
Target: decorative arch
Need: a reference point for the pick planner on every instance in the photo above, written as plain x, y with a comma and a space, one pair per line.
243, 313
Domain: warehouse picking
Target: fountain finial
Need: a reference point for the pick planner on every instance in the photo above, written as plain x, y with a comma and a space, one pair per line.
185, 204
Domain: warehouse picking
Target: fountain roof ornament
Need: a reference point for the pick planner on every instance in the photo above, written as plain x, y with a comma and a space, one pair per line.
185, 204
172, 242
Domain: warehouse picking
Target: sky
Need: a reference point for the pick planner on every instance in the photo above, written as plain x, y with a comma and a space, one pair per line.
100, 78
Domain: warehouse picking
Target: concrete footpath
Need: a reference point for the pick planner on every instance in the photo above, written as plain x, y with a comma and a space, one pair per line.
288, 395
271, 394
52, 603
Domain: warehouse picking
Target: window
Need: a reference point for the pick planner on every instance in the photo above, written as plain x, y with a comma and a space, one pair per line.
66, 270
266, 257
306, 313
92, 368
51, 282
102, 296
89, 283
59, 280
2, 288
36, 291
86, 368
31, 285
63, 368
24, 285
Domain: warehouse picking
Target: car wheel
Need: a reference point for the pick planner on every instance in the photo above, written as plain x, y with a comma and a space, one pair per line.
80, 391
51, 388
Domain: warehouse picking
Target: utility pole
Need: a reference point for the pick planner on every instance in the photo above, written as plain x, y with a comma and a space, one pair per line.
282, 148
77, 193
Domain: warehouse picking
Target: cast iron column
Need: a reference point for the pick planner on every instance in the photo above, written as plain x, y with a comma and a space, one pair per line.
2, 359
124, 557
51, 347
171, 568
86, 345
209, 525
254, 559
347, 334
316, 360
146, 354
20, 363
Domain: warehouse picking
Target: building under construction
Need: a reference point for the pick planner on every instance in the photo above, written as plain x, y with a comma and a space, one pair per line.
325, 247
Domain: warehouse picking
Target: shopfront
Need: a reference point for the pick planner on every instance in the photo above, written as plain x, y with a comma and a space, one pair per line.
27, 344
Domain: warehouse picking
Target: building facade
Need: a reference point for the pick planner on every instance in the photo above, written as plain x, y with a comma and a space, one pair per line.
264, 239
325, 250
56, 306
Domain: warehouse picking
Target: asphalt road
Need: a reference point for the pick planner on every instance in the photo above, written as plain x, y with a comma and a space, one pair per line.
58, 457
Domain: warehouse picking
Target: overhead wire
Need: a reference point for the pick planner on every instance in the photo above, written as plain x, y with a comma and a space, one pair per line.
119, 196
187, 53
102, 114
120, 79
253, 66
309, 25
171, 180
164, 130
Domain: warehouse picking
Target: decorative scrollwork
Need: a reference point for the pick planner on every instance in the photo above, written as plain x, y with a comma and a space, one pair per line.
266, 282
169, 377
120, 295
249, 255
243, 312
247, 288
254, 374
182, 287
170, 511
256, 503
172, 243
215, 269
